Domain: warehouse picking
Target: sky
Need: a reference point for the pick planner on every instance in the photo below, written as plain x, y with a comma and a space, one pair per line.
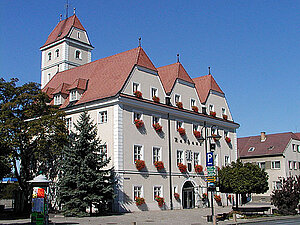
252, 46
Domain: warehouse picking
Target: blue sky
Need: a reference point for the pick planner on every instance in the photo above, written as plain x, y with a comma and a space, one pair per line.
252, 47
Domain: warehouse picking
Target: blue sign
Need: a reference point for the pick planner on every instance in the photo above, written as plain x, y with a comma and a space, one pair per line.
209, 159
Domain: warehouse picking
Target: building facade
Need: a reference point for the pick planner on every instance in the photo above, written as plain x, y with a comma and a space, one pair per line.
140, 110
278, 154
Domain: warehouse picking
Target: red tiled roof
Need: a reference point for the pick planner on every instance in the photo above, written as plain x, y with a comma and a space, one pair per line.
204, 84
168, 75
63, 28
297, 134
106, 76
278, 141
79, 84
62, 88
49, 92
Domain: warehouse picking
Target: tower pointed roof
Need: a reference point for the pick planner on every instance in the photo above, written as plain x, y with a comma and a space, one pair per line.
204, 84
168, 75
62, 29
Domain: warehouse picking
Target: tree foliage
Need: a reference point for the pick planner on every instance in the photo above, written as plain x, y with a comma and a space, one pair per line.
32, 131
85, 179
287, 198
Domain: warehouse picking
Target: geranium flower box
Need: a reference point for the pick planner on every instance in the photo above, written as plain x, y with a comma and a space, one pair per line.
182, 167
176, 196
159, 165
228, 140
217, 198
157, 127
214, 137
198, 168
212, 113
139, 123
195, 108
160, 201
181, 131
139, 201
138, 94
225, 117
140, 164
155, 99
197, 134
179, 105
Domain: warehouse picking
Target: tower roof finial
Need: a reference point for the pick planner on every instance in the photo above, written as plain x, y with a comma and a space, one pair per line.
209, 70
74, 11
140, 44
178, 57
60, 17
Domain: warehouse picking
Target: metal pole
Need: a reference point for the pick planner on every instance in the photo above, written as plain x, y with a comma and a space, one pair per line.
212, 203
205, 137
170, 162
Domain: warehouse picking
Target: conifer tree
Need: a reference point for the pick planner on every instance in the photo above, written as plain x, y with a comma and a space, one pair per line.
85, 181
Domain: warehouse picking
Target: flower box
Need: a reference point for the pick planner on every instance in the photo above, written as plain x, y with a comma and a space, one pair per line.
157, 127
181, 131
139, 164
139, 201
197, 134
138, 94
204, 196
198, 168
139, 123
214, 137
217, 198
195, 108
160, 201
228, 140
159, 165
225, 117
182, 167
179, 105
155, 99
212, 113
176, 196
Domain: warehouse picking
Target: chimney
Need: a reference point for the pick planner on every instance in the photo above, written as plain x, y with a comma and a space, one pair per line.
263, 136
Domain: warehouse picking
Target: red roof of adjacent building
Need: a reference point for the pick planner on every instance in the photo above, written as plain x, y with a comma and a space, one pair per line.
61, 88
168, 75
204, 84
79, 84
273, 144
62, 29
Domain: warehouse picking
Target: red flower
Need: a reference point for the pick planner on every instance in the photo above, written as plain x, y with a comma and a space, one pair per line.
198, 168
159, 165
139, 164
212, 113
204, 195
138, 123
160, 201
197, 134
155, 99
228, 140
179, 105
225, 117
138, 94
176, 196
182, 167
181, 131
195, 108
214, 137
139, 201
157, 127
217, 198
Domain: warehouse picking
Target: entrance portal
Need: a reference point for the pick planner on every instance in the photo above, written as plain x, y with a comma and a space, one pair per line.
188, 195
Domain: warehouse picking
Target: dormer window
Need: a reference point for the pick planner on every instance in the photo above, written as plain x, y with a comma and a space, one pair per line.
49, 56
251, 149
77, 54
211, 108
177, 98
153, 92
57, 100
73, 95
57, 53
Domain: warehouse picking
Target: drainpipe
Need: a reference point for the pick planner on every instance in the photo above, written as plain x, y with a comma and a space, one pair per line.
170, 163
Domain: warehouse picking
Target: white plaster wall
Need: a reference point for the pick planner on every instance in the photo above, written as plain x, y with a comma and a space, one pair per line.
83, 36
219, 102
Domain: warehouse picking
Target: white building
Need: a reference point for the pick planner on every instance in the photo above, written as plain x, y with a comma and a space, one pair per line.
107, 89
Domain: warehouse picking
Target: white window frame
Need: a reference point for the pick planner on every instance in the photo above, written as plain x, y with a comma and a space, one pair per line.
260, 164
161, 194
223, 111
211, 108
57, 99
73, 95
178, 123
49, 56
193, 101
273, 164
294, 147
78, 35
69, 122
135, 191
57, 53
177, 96
274, 184
151, 92
181, 159
80, 54
134, 113
157, 117
251, 149
104, 146
290, 164
197, 158
49, 76
295, 165
197, 126
141, 152
298, 148
159, 155
102, 119
216, 160
228, 160
138, 87
175, 189
226, 133
189, 155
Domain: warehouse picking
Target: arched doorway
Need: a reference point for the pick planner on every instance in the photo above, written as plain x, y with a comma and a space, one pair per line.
188, 195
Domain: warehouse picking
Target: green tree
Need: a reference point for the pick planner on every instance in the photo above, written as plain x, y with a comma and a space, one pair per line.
242, 179
32, 132
85, 179
287, 198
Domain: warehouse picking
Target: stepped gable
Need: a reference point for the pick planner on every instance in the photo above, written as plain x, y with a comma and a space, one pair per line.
106, 76
170, 73
204, 84
62, 29
278, 141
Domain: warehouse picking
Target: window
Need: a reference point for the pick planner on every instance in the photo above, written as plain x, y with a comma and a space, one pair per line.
137, 152
294, 147
135, 87
57, 53
213, 131
102, 117
275, 164
69, 123
211, 107
137, 192
193, 102
179, 124
137, 116
156, 154
196, 158
188, 155
195, 127
251, 149
223, 111
49, 76
298, 148
177, 98
179, 156
277, 185
295, 165
290, 165
103, 150
77, 54
271, 148
73, 95
78, 35
155, 119
227, 161
157, 191
262, 165
153, 92
216, 160
57, 100
49, 56
225, 133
